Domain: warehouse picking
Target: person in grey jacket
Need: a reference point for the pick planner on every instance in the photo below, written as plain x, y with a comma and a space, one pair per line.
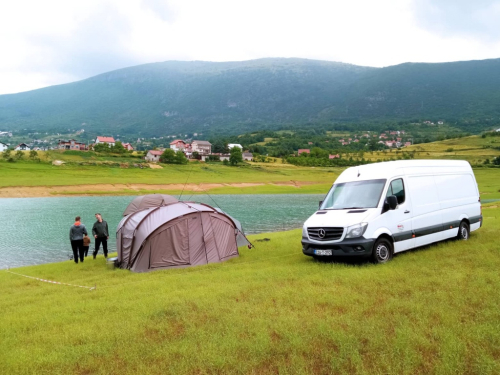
76, 233
101, 235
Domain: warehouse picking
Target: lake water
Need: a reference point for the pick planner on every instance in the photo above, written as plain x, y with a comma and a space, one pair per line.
36, 230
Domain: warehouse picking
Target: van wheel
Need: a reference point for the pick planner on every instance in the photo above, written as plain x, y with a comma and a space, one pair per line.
463, 231
382, 251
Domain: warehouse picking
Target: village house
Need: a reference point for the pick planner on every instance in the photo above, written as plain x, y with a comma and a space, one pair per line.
334, 156
22, 147
3, 146
71, 144
178, 145
231, 145
407, 144
128, 146
303, 150
247, 156
109, 140
201, 147
153, 156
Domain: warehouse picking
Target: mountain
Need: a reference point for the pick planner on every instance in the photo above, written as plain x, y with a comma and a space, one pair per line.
173, 96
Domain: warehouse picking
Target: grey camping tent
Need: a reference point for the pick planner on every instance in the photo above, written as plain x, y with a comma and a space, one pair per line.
176, 234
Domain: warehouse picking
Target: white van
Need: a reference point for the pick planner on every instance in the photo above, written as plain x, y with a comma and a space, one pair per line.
376, 210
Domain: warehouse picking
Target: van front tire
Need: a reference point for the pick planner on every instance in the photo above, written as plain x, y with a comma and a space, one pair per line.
463, 231
382, 251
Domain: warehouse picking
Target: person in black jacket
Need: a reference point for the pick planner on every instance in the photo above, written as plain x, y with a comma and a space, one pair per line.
101, 235
76, 233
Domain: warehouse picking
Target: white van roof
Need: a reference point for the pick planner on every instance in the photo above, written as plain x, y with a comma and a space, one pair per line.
390, 169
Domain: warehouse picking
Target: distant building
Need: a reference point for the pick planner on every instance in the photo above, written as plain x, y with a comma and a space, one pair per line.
178, 145
201, 147
407, 144
247, 156
303, 150
22, 147
108, 140
71, 144
3, 146
309, 143
231, 145
153, 156
334, 156
128, 146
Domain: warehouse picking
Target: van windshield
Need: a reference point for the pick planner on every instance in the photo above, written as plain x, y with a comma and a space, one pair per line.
351, 195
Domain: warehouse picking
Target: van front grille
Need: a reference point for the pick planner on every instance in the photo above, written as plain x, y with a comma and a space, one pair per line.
325, 233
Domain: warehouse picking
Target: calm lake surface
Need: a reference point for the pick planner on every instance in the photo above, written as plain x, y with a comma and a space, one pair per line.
36, 230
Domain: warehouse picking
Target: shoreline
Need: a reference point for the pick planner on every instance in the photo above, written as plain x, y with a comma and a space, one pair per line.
285, 187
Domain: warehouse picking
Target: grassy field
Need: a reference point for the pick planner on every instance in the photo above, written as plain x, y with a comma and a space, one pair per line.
257, 178
473, 149
274, 177
272, 310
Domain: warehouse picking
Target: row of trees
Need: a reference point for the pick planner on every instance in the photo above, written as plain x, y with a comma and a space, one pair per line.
110, 149
7, 155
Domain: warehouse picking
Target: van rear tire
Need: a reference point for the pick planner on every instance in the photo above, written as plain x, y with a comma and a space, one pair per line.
463, 231
382, 251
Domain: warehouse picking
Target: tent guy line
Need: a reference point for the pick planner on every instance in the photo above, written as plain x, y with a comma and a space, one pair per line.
52, 281
161, 275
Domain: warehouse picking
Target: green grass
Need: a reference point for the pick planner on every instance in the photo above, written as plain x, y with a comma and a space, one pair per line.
26, 173
272, 310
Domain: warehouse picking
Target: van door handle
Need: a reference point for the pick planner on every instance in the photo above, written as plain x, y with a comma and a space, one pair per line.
407, 212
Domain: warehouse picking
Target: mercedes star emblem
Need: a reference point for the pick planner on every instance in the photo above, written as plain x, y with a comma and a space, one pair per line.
321, 233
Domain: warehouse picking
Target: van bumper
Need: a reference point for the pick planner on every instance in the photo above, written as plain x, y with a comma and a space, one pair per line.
356, 247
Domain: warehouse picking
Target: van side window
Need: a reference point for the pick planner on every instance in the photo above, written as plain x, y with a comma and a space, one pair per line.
397, 188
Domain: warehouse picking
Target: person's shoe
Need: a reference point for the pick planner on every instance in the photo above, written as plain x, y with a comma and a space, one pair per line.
93, 255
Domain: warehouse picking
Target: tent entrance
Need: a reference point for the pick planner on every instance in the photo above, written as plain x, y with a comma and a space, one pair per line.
170, 246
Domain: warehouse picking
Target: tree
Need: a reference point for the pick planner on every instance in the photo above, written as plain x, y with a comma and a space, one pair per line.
196, 155
7, 154
118, 148
33, 154
236, 156
19, 155
496, 161
180, 158
168, 156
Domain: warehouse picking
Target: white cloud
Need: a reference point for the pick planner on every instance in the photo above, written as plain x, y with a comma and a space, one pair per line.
52, 42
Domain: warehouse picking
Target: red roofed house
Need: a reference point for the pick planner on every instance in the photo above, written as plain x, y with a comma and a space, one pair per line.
71, 145
153, 155
334, 156
302, 150
108, 140
178, 145
128, 146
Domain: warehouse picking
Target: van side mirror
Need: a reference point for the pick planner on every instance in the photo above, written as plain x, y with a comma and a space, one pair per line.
320, 203
392, 201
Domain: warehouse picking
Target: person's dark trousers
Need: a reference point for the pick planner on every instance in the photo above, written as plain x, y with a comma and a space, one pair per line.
86, 250
104, 242
77, 247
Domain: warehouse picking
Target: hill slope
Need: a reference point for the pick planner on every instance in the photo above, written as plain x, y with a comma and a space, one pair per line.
168, 97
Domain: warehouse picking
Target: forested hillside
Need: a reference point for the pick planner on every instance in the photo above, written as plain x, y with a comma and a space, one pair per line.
236, 97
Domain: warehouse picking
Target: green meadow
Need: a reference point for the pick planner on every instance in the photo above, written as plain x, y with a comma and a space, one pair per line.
434, 310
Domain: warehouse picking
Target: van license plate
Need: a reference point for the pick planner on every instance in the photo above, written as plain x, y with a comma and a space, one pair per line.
322, 252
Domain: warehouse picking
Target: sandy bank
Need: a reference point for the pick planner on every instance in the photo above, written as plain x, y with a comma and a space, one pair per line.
100, 189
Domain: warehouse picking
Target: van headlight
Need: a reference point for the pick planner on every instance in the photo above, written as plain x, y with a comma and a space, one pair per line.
356, 230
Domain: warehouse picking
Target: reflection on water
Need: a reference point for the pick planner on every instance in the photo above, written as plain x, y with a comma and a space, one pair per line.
36, 230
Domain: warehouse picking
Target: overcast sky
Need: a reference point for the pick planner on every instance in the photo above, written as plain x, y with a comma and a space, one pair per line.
50, 42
